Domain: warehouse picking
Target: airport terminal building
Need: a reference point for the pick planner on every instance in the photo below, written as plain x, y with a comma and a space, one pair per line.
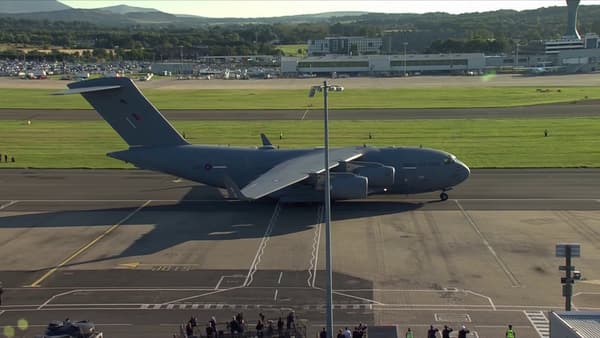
383, 65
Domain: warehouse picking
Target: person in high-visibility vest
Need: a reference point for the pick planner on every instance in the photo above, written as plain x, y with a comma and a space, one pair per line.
510, 333
409, 333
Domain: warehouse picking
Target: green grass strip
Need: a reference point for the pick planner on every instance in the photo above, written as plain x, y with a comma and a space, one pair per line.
514, 143
298, 99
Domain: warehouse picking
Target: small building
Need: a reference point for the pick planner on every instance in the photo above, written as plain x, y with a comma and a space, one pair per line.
574, 324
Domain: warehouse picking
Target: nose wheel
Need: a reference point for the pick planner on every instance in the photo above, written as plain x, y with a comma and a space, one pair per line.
443, 196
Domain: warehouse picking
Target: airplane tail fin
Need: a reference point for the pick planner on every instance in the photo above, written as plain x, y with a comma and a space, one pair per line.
129, 113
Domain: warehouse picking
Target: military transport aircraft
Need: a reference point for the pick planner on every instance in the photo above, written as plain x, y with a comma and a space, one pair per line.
290, 175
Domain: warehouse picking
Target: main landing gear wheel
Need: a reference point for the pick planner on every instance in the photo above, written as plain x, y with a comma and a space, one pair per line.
443, 196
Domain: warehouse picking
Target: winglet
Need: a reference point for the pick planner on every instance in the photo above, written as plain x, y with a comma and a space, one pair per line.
265, 140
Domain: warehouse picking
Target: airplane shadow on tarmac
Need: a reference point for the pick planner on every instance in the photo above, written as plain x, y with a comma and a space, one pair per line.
192, 219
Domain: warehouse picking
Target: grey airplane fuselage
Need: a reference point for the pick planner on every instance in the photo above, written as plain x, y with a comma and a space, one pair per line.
417, 170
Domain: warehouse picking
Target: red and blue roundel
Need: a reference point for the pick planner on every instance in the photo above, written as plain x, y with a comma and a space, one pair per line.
208, 166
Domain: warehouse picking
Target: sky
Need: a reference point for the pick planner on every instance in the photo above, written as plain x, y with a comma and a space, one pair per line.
269, 8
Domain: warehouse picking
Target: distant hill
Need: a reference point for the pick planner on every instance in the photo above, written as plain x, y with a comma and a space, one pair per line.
100, 17
31, 6
123, 15
124, 9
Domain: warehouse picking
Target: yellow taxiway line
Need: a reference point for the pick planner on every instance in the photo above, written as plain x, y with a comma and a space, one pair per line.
87, 246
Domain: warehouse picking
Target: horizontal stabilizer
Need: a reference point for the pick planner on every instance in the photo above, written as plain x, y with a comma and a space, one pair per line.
86, 90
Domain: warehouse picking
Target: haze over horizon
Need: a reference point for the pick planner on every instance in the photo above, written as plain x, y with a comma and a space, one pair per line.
272, 8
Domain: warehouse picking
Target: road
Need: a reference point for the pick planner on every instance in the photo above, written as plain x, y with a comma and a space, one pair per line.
581, 109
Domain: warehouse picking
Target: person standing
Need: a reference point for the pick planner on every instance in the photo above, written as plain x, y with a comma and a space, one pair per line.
463, 332
446, 331
431, 333
510, 333
323, 333
347, 332
409, 334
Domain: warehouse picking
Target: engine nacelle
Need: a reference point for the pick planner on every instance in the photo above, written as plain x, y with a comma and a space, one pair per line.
345, 186
379, 175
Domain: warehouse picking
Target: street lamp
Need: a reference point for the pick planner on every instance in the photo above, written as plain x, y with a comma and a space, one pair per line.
405, 44
325, 88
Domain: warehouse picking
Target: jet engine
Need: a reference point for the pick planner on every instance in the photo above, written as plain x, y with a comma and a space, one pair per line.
378, 175
348, 186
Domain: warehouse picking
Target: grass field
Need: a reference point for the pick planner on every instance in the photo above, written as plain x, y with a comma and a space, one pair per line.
297, 99
292, 50
572, 142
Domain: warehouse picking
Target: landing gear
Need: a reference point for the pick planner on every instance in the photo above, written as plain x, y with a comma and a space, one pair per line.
443, 196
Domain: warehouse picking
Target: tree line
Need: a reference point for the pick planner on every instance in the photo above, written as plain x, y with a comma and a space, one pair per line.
489, 32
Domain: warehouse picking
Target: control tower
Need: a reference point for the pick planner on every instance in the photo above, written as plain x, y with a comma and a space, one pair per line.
572, 20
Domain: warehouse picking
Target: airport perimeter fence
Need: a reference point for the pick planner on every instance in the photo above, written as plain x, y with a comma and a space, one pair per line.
299, 330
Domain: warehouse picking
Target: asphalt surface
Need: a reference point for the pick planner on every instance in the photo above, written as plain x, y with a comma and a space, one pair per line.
139, 253
581, 109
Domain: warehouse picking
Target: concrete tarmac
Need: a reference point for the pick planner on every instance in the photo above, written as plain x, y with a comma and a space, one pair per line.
581, 109
139, 253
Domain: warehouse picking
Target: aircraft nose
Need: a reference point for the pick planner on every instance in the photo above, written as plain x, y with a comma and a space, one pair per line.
463, 171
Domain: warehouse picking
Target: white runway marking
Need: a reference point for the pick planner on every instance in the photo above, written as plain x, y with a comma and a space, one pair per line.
262, 246
201, 295
337, 292
514, 281
219, 283
314, 259
3, 206
275, 296
304, 115
489, 299
280, 276
540, 322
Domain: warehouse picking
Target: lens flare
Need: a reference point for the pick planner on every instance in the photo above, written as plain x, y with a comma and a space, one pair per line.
488, 77
9, 331
22, 324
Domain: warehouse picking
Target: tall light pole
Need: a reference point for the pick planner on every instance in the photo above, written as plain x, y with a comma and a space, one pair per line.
329, 289
405, 44
517, 53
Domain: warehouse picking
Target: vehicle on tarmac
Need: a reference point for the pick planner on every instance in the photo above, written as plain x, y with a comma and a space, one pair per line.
70, 329
287, 175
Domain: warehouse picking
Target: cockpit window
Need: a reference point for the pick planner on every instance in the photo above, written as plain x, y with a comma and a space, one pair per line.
450, 159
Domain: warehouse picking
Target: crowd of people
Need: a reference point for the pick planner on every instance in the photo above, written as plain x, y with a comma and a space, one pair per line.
239, 327
359, 331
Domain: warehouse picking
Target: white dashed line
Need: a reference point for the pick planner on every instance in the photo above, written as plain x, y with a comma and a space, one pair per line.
3, 206
262, 246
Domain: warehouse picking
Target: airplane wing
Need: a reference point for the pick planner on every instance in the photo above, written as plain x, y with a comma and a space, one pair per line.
296, 170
